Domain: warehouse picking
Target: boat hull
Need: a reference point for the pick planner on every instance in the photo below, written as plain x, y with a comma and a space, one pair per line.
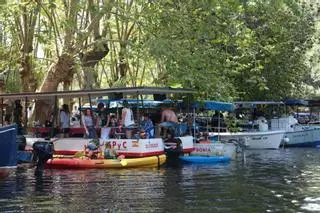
128, 147
306, 137
255, 140
205, 159
215, 149
79, 163
8, 146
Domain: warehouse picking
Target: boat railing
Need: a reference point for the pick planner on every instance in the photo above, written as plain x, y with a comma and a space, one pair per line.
7, 128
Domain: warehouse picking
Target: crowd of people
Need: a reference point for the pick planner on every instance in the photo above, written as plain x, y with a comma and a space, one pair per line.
104, 122
124, 126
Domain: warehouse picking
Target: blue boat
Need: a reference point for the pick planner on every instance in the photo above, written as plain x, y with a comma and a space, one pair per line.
8, 146
12, 150
205, 159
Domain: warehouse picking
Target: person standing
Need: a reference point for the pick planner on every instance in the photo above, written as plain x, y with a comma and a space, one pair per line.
127, 120
88, 124
113, 126
104, 121
65, 120
17, 116
169, 121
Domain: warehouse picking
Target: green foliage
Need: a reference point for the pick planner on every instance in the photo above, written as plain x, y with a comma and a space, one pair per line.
227, 50
233, 49
231, 123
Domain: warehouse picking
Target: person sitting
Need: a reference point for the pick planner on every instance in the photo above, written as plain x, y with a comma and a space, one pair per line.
92, 149
147, 126
205, 139
168, 121
109, 152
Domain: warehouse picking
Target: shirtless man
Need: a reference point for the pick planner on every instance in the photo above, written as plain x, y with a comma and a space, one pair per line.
168, 120
169, 115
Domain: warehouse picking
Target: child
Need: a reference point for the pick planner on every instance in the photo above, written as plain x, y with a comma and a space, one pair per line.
109, 152
147, 126
92, 149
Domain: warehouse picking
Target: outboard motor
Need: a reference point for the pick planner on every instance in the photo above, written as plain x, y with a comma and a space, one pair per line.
42, 151
173, 148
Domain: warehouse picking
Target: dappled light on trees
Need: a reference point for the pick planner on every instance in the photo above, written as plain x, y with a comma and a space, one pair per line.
227, 50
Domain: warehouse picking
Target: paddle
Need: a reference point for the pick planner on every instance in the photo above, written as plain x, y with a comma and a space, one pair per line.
123, 162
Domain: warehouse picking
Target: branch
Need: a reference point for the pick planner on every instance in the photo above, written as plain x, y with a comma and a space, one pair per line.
54, 28
88, 30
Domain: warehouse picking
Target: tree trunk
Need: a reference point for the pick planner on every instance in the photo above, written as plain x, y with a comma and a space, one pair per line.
26, 23
89, 78
28, 81
66, 87
122, 63
58, 72
89, 60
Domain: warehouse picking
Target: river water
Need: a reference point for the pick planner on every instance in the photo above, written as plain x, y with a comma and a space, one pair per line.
260, 181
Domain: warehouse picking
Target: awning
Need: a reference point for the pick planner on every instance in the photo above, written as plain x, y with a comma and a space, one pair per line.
296, 102
97, 92
215, 105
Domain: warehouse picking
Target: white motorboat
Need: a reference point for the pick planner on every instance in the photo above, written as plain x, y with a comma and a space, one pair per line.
254, 140
261, 138
297, 135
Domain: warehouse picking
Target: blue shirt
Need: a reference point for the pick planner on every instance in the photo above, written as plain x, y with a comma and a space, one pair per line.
148, 127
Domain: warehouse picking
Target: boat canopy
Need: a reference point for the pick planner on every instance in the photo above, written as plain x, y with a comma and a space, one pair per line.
314, 103
215, 105
98, 92
145, 103
296, 102
253, 104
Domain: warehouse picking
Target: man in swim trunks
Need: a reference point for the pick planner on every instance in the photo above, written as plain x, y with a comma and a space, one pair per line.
169, 120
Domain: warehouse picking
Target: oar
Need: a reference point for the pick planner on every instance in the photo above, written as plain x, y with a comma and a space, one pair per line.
78, 154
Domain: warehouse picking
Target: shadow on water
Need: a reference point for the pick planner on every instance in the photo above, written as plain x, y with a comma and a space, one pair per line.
267, 181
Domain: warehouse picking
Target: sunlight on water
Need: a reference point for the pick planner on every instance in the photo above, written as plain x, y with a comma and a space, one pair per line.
311, 207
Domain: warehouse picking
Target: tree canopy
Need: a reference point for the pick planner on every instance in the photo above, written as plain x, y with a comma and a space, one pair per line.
227, 50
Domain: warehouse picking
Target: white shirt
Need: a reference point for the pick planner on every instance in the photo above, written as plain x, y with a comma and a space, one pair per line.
87, 120
128, 120
64, 120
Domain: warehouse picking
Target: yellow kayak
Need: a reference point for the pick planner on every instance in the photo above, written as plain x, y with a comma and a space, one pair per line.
59, 162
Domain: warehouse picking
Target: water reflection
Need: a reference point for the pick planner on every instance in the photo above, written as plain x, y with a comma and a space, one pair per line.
267, 181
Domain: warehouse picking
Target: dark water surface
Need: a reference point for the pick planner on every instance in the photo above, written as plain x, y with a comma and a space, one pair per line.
266, 181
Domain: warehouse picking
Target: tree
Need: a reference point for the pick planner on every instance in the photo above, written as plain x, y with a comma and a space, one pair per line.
232, 49
20, 20
72, 41
282, 34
